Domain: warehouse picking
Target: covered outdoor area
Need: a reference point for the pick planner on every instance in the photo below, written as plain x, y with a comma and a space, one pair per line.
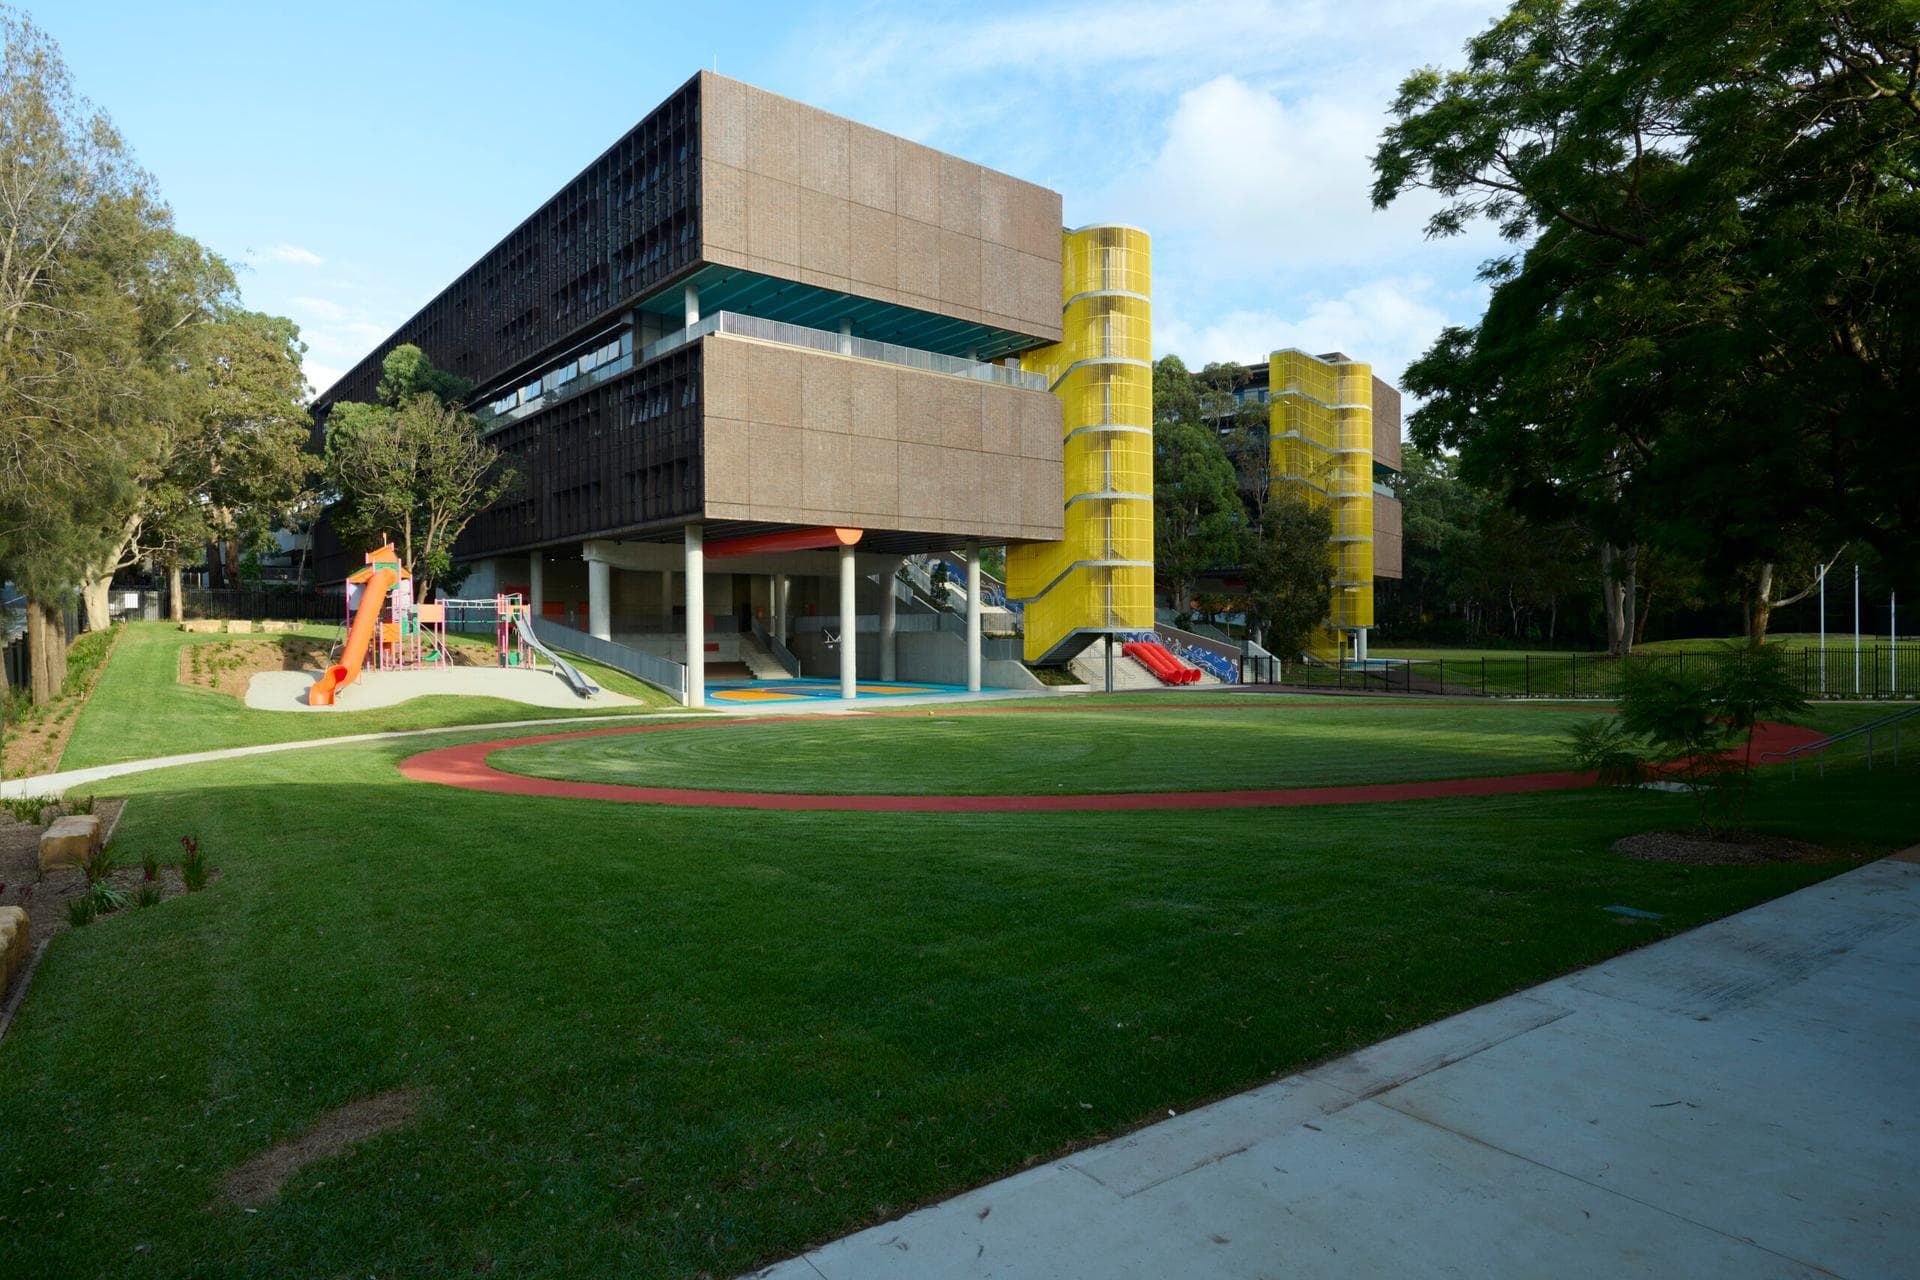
767, 613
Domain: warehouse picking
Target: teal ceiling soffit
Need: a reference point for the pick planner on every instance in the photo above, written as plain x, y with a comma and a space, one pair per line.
771, 298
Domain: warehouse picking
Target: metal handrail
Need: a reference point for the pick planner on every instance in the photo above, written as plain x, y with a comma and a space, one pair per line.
773, 645
1792, 754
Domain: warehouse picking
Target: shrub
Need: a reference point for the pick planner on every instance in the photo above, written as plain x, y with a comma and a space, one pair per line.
101, 865
148, 895
80, 910
149, 868
1605, 746
78, 804
107, 897
193, 865
28, 809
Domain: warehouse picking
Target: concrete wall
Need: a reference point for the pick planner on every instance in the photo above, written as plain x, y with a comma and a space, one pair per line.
789, 190
795, 436
939, 657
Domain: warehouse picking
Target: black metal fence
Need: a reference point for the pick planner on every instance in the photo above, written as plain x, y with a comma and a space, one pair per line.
1876, 671
280, 604
13, 653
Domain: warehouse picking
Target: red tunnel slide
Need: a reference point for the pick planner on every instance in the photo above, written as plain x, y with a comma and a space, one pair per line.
1157, 659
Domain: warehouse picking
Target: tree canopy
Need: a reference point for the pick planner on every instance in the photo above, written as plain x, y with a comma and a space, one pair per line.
1196, 508
413, 467
140, 405
1704, 339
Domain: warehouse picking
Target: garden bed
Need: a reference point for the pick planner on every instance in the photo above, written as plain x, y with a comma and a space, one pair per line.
227, 666
36, 737
1745, 850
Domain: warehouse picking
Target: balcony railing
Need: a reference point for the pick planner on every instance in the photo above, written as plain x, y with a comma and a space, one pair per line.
794, 335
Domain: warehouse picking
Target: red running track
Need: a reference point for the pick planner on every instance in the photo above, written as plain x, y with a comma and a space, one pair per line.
467, 766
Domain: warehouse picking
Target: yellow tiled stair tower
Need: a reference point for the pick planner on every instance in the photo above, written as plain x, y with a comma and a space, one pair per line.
1320, 416
1099, 578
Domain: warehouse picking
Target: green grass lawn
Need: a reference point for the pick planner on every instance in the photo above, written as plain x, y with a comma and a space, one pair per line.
668, 1042
140, 709
1255, 744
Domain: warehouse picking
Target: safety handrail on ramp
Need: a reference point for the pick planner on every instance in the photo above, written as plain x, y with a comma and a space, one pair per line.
566, 670
1870, 729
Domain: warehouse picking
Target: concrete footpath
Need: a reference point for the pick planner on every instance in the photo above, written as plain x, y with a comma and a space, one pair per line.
1740, 1101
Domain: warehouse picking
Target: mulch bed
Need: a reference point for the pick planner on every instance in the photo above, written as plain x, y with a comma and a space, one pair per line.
227, 666
1699, 850
37, 746
45, 897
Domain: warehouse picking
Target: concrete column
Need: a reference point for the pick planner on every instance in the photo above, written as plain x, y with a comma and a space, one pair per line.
889, 666
781, 589
846, 337
600, 599
536, 582
696, 692
692, 299
849, 627
973, 617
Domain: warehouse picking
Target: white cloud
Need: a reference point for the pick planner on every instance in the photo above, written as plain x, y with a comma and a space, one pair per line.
1387, 322
1247, 177
292, 254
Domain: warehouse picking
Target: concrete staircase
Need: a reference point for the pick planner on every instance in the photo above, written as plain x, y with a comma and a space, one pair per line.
1091, 666
762, 664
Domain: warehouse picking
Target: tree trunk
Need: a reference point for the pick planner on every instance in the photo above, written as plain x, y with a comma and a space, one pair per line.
1640, 623
46, 650
1762, 608
96, 603
1618, 594
231, 550
176, 607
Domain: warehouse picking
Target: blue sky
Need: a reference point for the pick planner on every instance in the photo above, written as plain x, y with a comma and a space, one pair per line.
354, 158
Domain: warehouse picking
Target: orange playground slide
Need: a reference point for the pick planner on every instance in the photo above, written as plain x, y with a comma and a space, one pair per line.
354, 656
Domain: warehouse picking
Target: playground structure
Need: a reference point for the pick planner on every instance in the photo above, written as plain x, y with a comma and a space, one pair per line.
1165, 666
412, 636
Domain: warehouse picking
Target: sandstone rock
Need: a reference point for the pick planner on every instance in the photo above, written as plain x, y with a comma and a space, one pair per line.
70, 842
13, 943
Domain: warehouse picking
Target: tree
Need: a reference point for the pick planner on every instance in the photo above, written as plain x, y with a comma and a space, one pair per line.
168, 291
1196, 507
237, 466
1196, 510
1703, 343
63, 384
417, 469
1289, 567
1246, 433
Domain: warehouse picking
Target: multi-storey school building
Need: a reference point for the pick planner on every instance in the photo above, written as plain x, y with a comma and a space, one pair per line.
1334, 437
755, 354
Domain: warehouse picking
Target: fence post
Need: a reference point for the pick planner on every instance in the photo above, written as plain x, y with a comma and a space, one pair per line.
1573, 665
1483, 675
1526, 660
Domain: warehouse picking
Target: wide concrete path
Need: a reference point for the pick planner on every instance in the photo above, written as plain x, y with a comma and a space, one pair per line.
1740, 1101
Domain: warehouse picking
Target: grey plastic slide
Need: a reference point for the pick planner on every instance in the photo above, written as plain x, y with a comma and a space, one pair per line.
564, 669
